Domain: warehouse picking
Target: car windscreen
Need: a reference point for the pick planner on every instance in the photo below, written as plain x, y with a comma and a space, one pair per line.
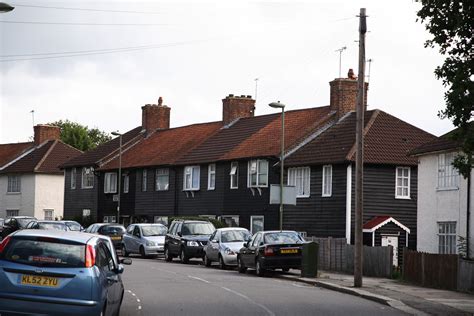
24, 221
112, 230
55, 226
235, 236
153, 230
45, 252
197, 229
2, 221
282, 238
74, 226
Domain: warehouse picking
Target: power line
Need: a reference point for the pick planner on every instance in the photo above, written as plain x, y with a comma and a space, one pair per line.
82, 24
82, 9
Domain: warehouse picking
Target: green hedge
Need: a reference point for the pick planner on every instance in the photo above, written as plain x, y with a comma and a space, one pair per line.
217, 223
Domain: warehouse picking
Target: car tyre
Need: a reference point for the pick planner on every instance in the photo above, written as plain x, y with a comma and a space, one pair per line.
207, 261
182, 256
222, 264
258, 269
125, 253
240, 265
142, 252
168, 256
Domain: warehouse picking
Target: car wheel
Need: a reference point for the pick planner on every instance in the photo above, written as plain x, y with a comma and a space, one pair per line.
240, 265
168, 256
142, 252
222, 264
182, 256
207, 261
125, 253
258, 269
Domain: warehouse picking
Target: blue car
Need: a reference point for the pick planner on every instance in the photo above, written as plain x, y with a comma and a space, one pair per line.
59, 273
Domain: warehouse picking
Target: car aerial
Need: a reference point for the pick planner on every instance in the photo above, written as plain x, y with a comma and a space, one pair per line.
186, 239
73, 225
55, 272
223, 246
46, 225
15, 223
271, 250
113, 230
145, 239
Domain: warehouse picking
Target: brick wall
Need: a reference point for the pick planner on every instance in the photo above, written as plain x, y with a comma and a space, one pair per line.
234, 107
46, 132
155, 116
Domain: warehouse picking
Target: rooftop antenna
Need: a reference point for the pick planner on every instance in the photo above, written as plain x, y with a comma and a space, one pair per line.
340, 50
33, 116
370, 60
256, 88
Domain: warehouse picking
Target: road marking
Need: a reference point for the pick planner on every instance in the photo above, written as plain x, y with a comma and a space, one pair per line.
199, 279
137, 299
249, 299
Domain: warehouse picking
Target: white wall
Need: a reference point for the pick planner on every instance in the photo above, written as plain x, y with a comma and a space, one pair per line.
23, 201
49, 194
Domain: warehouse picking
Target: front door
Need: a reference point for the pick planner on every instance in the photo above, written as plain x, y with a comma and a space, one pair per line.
392, 241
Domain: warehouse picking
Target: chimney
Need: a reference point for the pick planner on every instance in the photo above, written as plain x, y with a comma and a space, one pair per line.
344, 94
155, 116
234, 107
46, 132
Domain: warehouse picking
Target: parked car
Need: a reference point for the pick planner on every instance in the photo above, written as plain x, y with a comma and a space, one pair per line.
271, 250
145, 239
56, 273
2, 222
15, 223
47, 225
186, 239
73, 225
223, 246
113, 230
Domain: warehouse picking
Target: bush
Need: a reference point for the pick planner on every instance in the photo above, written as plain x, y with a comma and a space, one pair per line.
217, 223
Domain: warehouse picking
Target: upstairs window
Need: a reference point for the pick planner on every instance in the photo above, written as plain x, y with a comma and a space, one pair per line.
234, 175
11, 213
162, 179
73, 178
126, 183
402, 184
300, 178
110, 182
257, 173
447, 175
191, 178
14, 184
144, 180
87, 178
327, 181
211, 176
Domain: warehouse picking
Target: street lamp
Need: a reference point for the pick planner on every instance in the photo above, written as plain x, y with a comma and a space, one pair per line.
278, 105
5, 7
119, 174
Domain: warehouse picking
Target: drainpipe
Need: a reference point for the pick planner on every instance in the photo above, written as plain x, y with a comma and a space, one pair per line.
176, 191
468, 214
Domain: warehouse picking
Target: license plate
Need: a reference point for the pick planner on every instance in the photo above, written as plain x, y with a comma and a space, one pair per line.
116, 238
287, 251
39, 280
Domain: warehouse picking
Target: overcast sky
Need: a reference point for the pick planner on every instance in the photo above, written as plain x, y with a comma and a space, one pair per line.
121, 55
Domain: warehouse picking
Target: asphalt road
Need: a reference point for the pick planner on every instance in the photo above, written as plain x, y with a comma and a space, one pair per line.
156, 287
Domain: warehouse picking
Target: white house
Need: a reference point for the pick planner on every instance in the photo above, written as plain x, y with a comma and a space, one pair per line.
442, 200
31, 183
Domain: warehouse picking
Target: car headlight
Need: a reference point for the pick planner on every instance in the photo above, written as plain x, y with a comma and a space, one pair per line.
150, 243
227, 251
193, 243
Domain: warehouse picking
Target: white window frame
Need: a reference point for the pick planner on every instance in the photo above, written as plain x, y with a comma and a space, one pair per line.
73, 178
252, 218
14, 184
144, 180
86, 212
109, 219
11, 213
234, 174
257, 172
211, 176
234, 218
161, 220
448, 176
189, 173
126, 183
326, 190
162, 173
300, 177
399, 175
87, 178
110, 182
49, 218
447, 237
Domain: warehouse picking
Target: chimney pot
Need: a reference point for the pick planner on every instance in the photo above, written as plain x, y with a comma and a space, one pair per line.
155, 116
343, 95
160, 101
237, 107
46, 132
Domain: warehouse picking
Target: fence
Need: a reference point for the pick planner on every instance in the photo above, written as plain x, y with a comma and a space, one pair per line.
466, 275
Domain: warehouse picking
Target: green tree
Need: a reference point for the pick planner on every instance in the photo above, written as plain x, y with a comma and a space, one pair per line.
451, 22
80, 136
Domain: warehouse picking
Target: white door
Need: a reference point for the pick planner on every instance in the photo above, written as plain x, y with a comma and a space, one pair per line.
392, 241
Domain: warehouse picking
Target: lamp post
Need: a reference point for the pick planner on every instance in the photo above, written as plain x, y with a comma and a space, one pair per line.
278, 105
5, 7
119, 174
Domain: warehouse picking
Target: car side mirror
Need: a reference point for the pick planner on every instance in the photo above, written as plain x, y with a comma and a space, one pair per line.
126, 261
246, 244
119, 269
179, 234
214, 241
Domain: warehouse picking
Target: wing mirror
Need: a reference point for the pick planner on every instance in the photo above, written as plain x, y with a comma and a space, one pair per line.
126, 261
215, 241
179, 234
246, 244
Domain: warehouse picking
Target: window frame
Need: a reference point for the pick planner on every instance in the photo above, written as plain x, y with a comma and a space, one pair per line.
14, 184
73, 178
325, 179
165, 175
252, 218
126, 183
211, 171
257, 173
191, 174
449, 246
16, 213
305, 182
450, 173
234, 175
87, 173
109, 186
402, 177
52, 214
144, 180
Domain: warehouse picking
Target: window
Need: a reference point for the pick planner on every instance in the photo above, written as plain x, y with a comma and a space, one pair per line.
447, 237
256, 224
160, 220
447, 174
86, 212
144, 180
73, 178
11, 213
234, 175
87, 177
257, 173
110, 183
126, 183
191, 178
300, 177
162, 180
327, 180
402, 184
14, 184
109, 219
211, 176
48, 215
230, 220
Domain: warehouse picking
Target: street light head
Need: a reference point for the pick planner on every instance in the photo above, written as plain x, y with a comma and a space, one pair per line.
277, 105
5, 7
116, 133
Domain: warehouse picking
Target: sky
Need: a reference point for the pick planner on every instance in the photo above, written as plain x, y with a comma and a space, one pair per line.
98, 62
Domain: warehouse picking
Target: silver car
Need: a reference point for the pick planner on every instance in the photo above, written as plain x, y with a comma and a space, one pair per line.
144, 239
224, 245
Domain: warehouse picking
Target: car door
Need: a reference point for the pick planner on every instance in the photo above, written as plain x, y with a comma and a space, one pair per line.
173, 243
127, 238
247, 254
253, 250
109, 278
213, 248
136, 239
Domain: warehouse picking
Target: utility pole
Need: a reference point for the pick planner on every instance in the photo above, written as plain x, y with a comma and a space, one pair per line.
359, 198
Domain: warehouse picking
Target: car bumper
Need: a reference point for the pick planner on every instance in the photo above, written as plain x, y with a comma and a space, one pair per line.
150, 250
281, 262
230, 260
194, 252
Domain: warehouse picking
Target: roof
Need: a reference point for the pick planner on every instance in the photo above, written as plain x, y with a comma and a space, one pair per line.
44, 158
80, 237
379, 221
8, 152
387, 140
445, 142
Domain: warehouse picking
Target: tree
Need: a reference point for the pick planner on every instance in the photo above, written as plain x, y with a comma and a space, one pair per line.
451, 24
80, 136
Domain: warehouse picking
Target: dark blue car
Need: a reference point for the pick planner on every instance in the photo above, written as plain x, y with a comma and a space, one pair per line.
59, 273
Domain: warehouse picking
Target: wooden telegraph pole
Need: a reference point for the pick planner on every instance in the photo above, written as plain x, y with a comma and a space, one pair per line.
359, 201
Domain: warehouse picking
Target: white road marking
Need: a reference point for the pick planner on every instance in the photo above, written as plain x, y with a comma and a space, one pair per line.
136, 297
199, 279
269, 312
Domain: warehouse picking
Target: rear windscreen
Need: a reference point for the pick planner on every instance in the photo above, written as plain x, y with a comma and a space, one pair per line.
283, 238
112, 230
44, 253
55, 226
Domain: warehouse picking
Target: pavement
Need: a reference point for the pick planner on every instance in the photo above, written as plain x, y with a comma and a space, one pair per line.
411, 299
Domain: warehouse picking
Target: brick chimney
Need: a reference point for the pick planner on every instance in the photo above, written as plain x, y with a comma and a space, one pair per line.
234, 107
344, 94
155, 116
46, 132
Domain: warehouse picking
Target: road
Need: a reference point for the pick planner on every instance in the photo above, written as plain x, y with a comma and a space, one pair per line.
156, 287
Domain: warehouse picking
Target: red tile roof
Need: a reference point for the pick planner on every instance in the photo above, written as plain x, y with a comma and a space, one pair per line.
379, 221
8, 152
374, 222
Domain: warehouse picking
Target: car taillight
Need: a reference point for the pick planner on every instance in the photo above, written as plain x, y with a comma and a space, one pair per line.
90, 256
4, 243
269, 251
